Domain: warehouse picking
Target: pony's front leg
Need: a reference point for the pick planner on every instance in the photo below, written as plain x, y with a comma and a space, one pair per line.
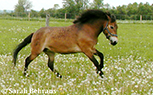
101, 56
98, 67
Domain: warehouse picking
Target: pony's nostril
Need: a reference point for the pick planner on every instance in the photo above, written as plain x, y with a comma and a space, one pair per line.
114, 43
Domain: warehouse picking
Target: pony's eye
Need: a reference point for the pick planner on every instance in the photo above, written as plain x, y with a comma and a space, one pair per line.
111, 27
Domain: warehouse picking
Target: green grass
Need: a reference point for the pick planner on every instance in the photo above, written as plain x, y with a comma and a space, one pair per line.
128, 65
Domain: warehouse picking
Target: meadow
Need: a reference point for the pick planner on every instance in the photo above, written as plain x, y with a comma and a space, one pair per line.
128, 67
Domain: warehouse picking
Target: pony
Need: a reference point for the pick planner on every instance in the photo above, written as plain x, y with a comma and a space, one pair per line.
80, 37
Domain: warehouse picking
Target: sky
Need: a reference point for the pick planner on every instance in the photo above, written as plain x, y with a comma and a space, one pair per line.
46, 4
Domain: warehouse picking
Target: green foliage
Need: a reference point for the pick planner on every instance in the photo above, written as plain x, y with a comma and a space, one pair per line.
128, 65
75, 7
22, 7
42, 13
134, 9
97, 4
34, 13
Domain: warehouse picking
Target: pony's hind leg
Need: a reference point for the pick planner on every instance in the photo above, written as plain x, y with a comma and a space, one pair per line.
27, 62
51, 62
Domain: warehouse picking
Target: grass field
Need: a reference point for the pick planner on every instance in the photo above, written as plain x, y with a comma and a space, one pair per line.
128, 65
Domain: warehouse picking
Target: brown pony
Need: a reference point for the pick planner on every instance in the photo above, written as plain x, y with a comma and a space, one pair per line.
79, 37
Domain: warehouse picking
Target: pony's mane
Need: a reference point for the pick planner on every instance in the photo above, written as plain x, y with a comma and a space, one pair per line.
93, 15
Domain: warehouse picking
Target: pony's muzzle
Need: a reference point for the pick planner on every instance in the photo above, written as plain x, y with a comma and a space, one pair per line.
113, 40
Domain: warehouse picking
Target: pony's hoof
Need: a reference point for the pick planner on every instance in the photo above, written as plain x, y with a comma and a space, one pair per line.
58, 75
102, 76
100, 73
25, 75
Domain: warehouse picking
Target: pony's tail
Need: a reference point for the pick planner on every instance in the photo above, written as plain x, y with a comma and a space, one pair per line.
25, 42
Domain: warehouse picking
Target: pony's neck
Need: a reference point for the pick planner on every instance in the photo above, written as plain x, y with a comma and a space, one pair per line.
95, 28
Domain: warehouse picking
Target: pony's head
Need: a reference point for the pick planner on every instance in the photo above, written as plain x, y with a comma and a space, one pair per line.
109, 26
110, 29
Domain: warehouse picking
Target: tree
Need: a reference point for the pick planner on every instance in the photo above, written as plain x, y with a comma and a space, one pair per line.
122, 9
34, 13
122, 12
113, 10
97, 4
145, 10
132, 9
148, 8
107, 6
56, 6
42, 13
22, 7
75, 6
69, 5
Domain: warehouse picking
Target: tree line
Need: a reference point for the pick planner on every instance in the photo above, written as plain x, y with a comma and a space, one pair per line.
72, 8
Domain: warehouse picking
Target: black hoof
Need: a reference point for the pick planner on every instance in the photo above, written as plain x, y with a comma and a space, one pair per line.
100, 73
101, 76
58, 75
25, 75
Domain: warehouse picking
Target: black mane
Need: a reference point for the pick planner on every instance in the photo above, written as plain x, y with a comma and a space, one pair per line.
93, 15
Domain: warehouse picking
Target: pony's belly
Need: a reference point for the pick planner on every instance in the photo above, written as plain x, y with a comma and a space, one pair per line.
65, 49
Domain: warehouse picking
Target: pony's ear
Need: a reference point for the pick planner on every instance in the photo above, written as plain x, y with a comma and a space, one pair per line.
111, 17
76, 19
108, 15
